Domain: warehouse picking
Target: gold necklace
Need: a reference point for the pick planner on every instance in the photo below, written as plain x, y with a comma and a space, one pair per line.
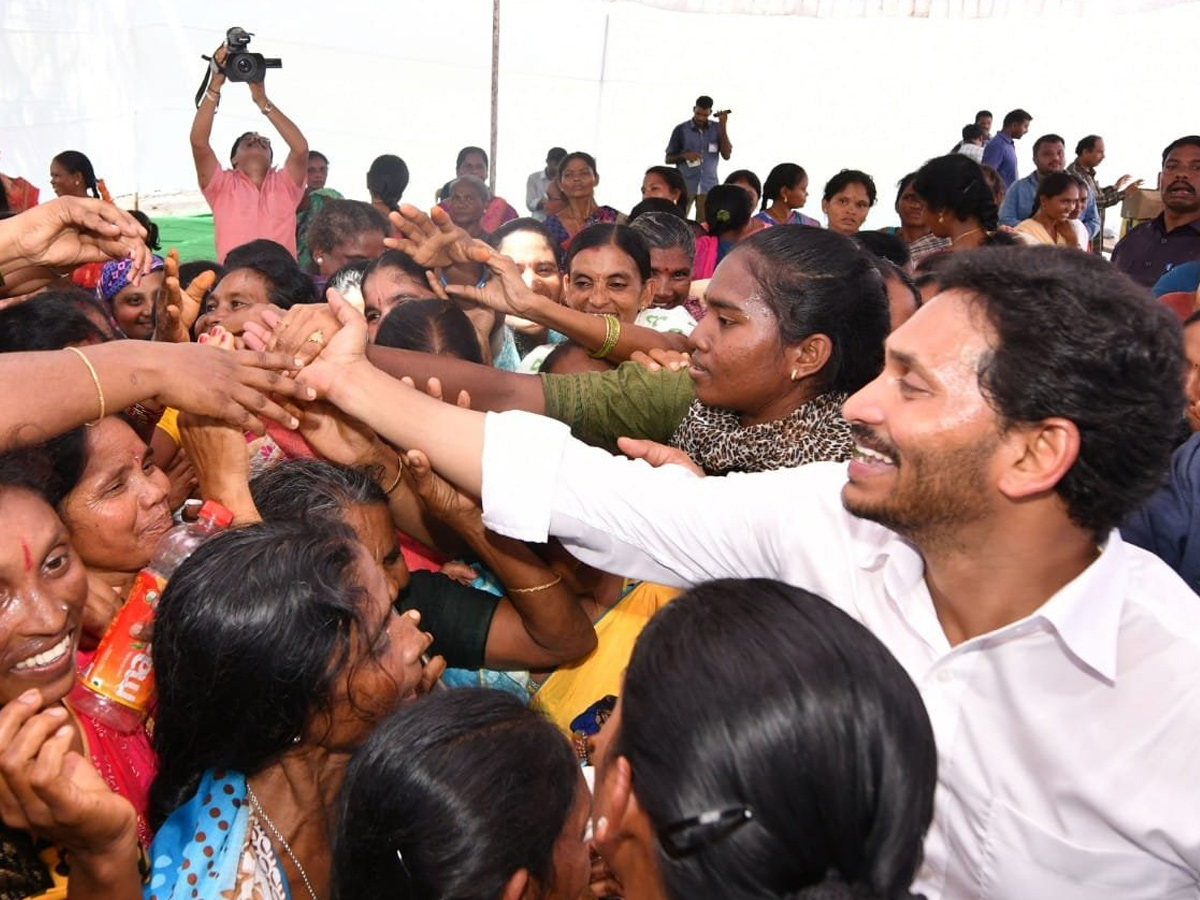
279, 837
955, 240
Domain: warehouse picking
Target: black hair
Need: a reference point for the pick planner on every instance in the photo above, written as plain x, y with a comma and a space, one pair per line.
727, 209
556, 154
340, 220
972, 132
783, 175
313, 490
317, 154
704, 101
956, 184
824, 740
387, 178
902, 186
1054, 184
533, 226
1076, 339
1086, 144
287, 284
259, 620
846, 177
745, 175
467, 151
889, 271
151, 229
430, 326
675, 182
996, 183
61, 463
50, 321
586, 158
78, 164
983, 113
1189, 140
664, 230
188, 271
622, 237
885, 246
396, 259
657, 205
241, 137
1047, 139
1014, 116
423, 813
816, 281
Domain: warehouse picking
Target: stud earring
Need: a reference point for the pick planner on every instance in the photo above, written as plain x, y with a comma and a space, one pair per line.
795, 375
941, 218
320, 260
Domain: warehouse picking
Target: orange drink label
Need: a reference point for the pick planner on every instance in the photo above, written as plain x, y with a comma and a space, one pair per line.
121, 669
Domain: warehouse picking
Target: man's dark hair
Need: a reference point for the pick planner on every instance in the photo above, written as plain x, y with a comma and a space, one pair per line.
1188, 140
317, 154
704, 101
1017, 115
1086, 144
1047, 139
341, 220
972, 132
983, 114
1076, 339
288, 285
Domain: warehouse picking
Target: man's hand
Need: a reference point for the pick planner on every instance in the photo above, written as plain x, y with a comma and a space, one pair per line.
175, 310
692, 156
1125, 185
71, 231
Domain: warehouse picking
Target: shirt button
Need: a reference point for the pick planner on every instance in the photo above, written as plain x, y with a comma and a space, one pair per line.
1163, 241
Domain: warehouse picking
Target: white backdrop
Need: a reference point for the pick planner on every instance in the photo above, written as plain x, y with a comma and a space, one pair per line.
116, 79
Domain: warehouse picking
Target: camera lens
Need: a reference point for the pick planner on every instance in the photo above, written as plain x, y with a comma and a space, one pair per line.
244, 66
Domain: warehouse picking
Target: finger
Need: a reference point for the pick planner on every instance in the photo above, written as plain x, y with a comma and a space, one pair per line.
433, 387
431, 674
435, 284
644, 360
17, 713
200, 285
408, 379
467, 292
256, 337
45, 776
464, 399
418, 464
22, 750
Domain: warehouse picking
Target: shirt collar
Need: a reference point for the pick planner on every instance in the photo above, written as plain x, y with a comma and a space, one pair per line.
1160, 223
1086, 612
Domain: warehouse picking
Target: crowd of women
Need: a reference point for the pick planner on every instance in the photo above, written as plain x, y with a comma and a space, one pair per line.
741, 739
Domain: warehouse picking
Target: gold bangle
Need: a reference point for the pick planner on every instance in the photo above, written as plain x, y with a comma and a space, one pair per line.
399, 475
96, 381
612, 334
540, 587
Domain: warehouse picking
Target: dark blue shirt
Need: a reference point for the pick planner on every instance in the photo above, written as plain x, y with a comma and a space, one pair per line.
1169, 524
1150, 251
1001, 154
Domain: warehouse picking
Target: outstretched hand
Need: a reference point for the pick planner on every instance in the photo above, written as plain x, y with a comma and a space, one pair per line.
176, 309
433, 241
72, 231
439, 497
343, 351
506, 292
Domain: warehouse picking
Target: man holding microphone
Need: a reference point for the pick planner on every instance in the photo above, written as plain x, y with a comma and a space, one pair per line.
694, 147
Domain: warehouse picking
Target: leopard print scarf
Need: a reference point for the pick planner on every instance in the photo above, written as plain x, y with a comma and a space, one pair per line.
719, 444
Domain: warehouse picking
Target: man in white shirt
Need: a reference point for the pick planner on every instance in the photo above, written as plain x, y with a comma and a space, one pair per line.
975, 537
1021, 414
538, 182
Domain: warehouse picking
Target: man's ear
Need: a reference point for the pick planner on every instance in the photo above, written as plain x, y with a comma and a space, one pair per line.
1040, 455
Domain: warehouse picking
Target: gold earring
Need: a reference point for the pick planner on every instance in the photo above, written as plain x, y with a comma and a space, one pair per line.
795, 375
941, 218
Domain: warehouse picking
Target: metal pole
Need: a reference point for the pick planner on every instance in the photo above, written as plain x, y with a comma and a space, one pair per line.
495, 90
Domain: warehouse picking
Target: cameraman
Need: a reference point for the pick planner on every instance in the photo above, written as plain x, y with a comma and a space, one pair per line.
250, 200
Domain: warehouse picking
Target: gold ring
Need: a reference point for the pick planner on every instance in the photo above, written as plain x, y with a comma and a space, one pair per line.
317, 337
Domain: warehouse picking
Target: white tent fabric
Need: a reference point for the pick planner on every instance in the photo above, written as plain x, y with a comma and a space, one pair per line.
116, 78
920, 9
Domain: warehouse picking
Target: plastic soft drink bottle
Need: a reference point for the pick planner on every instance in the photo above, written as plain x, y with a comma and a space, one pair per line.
118, 687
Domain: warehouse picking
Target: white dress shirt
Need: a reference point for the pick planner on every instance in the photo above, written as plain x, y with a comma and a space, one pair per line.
1065, 740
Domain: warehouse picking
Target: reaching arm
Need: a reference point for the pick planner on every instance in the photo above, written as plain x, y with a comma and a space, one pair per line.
202, 152
296, 164
723, 144
233, 387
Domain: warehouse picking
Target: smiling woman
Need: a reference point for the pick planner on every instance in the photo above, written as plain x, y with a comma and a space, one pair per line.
131, 305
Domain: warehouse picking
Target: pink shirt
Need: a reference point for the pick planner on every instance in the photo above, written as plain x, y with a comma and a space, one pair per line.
243, 212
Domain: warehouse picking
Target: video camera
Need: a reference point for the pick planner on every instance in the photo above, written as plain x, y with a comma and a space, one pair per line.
242, 65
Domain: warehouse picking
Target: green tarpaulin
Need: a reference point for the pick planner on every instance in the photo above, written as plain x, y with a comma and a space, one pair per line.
192, 236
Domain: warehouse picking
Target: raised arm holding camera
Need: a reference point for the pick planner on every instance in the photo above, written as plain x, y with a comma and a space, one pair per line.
251, 199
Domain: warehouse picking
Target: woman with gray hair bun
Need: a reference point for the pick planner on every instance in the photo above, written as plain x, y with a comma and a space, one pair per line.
468, 201
672, 251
